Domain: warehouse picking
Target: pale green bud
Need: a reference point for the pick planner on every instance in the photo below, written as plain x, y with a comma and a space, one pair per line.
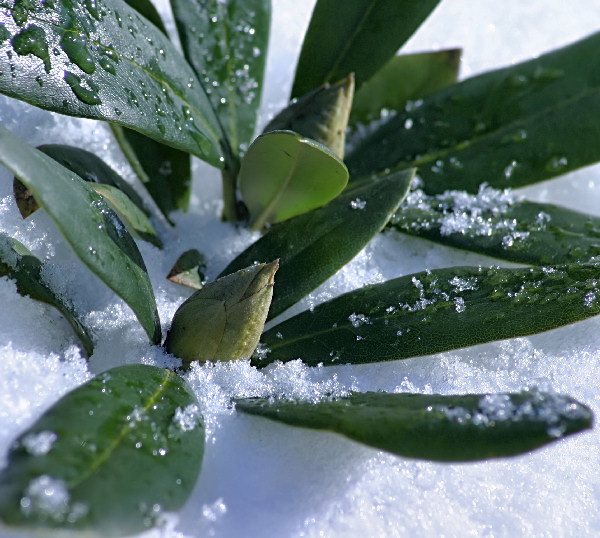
224, 320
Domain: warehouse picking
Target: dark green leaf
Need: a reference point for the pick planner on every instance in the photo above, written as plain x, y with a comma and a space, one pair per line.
436, 311
402, 79
358, 36
147, 9
17, 262
117, 452
284, 175
189, 270
88, 224
321, 115
508, 128
436, 427
226, 44
313, 246
105, 61
164, 171
492, 223
136, 220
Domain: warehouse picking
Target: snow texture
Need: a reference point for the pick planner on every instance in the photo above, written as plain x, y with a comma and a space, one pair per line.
261, 478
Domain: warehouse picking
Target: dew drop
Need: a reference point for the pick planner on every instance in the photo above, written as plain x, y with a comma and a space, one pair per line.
87, 96
32, 40
556, 164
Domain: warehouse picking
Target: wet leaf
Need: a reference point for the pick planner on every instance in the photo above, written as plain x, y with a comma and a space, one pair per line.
147, 9
284, 174
224, 320
405, 78
105, 61
313, 246
510, 127
321, 115
357, 38
88, 224
435, 427
189, 270
17, 262
226, 41
495, 224
136, 220
109, 457
164, 171
435, 311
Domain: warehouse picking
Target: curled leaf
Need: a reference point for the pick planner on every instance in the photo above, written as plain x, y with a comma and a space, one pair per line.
223, 320
189, 270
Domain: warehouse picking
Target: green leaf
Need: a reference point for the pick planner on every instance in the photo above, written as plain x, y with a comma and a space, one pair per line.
283, 175
117, 452
313, 246
17, 262
402, 79
136, 220
435, 427
358, 36
146, 8
492, 223
321, 115
510, 127
226, 44
105, 61
224, 320
435, 311
88, 224
164, 171
189, 270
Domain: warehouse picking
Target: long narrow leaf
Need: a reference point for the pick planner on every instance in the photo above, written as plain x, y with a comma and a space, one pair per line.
436, 427
313, 246
226, 41
17, 262
435, 311
107, 458
356, 36
105, 61
88, 224
510, 127
492, 223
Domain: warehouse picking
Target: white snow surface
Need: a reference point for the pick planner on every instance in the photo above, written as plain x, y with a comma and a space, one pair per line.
260, 478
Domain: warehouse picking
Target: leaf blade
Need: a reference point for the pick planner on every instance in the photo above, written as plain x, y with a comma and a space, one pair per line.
435, 427
120, 446
313, 246
356, 45
435, 311
137, 80
91, 228
509, 127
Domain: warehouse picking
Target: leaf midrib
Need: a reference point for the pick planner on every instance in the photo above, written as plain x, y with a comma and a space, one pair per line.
104, 456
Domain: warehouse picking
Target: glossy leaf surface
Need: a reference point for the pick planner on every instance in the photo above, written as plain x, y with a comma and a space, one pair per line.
17, 262
314, 246
495, 224
115, 453
189, 270
510, 127
105, 61
321, 115
284, 174
436, 427
358, 36
164, 171
405, 78
226, 44
88, 224
147, 9
436, 311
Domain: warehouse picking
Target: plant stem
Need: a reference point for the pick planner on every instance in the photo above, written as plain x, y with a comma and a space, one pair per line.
229, 175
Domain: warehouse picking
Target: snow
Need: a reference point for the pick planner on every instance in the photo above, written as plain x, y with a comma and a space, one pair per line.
260, 478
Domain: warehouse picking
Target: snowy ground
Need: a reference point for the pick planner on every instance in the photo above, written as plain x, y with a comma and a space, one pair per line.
264, 479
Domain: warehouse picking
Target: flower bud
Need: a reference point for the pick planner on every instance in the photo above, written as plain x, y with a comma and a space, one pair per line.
224, 320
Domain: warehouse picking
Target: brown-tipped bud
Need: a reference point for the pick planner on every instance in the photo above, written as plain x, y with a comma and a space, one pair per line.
224, 320
321, 115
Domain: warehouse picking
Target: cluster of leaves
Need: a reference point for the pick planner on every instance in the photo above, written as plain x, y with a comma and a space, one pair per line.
112, 60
